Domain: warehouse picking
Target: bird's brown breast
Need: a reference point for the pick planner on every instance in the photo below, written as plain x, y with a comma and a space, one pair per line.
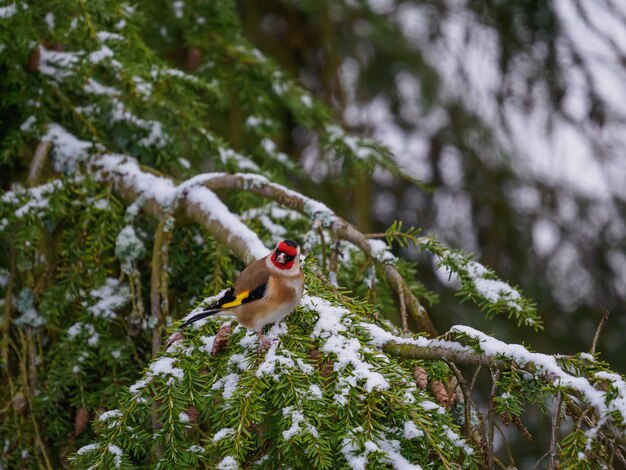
280, 299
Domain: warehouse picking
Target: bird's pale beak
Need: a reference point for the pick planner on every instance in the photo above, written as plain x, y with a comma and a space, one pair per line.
281, 258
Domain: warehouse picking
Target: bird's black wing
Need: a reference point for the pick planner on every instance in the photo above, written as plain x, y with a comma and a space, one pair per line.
229, 300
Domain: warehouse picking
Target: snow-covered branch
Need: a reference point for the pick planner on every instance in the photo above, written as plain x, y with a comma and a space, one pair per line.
487, 351
340, 227
195, 200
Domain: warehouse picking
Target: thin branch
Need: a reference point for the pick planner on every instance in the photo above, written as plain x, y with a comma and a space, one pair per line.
506, 445
403, 315
442, 350
495, 375
39, 162
185, 202
554, 430
8, 305
159, 305
474, 379
466, 398
320, 232
29, 393
596, 337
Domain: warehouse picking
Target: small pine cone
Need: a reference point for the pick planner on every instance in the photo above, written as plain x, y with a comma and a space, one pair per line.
421, 379
20, 403
192, 412
314, 354
451, 388
221, 339
194, 58
33, 59
440, 392
523, 428
81, 421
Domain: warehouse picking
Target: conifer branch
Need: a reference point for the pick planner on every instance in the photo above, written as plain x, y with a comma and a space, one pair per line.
542, 366
457, 355
126, 175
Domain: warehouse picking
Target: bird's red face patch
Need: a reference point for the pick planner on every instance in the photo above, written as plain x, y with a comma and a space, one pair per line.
284, 255
288, 249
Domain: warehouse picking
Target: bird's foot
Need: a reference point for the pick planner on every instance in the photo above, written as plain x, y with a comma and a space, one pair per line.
265, 343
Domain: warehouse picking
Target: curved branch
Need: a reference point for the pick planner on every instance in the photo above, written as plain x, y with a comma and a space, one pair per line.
186, 202
194, 200
498, 355
433, 352
338, 226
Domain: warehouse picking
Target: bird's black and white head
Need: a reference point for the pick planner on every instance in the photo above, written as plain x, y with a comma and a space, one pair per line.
286, 254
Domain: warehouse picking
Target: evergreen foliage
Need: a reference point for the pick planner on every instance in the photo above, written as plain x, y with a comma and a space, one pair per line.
102, 253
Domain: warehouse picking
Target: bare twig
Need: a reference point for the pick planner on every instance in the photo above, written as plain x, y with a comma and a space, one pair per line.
28, 393
403, 315
495, 375
159, 304
466, 397
555, 428
38, 163
596, 337
474, 379
8, 305
506, 445
320, 232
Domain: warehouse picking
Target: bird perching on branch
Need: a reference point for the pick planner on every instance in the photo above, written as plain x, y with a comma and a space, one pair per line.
266, 291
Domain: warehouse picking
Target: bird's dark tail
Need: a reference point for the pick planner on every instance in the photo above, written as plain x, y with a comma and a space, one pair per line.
200, 316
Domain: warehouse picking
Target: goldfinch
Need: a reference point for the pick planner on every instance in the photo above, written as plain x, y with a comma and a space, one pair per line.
265, 292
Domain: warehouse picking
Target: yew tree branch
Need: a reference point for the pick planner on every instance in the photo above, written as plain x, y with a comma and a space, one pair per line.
185, 202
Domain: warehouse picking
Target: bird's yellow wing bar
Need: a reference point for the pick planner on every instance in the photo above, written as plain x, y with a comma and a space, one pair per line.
238, 300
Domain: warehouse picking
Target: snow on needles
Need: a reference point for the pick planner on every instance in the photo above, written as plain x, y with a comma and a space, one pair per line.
111, 296
163, 366
547, 365
349, 351
68, 150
